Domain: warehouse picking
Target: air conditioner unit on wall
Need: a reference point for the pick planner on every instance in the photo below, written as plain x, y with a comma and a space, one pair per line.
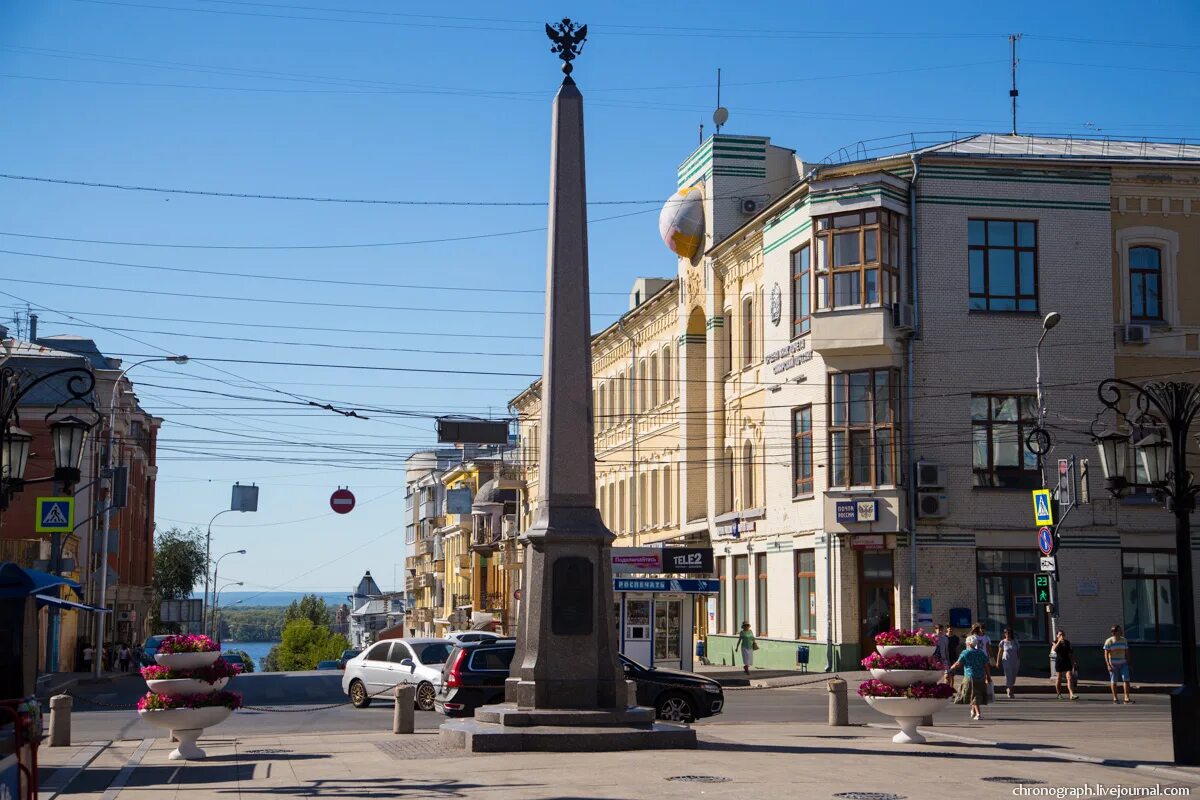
749, 206
903, 317
1137, 334
931, 505
930, 476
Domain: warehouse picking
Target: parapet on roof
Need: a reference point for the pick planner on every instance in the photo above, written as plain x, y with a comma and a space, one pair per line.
997, 145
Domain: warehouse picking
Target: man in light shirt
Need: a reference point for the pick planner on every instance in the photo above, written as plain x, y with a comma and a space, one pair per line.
1116, 656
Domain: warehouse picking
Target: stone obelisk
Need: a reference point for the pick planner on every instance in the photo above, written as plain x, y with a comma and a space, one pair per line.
566, 689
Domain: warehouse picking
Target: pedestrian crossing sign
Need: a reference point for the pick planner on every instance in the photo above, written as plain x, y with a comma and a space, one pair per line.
55, 515
1042, 513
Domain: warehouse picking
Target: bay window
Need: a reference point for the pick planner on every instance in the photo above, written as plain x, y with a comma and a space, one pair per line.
857, 264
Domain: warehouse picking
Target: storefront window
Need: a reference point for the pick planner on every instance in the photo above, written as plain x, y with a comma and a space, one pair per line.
1150, 595
806, 594
1006, 594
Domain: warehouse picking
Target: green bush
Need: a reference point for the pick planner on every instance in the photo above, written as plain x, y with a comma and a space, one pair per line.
304, 644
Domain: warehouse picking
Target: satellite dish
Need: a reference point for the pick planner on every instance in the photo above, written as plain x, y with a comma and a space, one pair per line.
721, 116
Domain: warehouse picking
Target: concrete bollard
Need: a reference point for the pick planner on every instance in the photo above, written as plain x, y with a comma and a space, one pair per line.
839, 713
404, 716
60, 720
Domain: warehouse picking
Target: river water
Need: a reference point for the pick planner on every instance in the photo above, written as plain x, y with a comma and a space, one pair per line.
256, 650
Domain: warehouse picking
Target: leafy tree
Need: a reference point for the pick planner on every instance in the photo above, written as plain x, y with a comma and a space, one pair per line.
304, 644
179, 564
309, 607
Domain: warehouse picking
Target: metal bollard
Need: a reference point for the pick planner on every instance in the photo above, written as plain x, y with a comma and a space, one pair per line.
404, 717
839, 714
60, 720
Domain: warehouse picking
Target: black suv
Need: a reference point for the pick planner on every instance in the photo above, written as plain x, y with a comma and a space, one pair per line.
475, 672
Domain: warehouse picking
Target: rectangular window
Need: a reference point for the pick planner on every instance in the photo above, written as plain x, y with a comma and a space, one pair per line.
806, 594
1150, 595
1000, 457
1006, 594
760, 594
801, 291
802, 452
727, 341
722, 593
741, 591
857, 260
1145, 284
1002, 265
864, 417
747, 331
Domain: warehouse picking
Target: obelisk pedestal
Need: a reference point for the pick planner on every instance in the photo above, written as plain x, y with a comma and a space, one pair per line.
567, 690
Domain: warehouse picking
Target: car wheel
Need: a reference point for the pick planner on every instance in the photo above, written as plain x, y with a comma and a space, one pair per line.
358, 694
425, 695
674, 707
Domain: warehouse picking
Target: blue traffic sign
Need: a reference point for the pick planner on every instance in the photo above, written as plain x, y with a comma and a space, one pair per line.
1045, 541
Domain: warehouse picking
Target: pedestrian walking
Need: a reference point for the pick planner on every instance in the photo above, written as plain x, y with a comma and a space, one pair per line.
1008, 660
977, 676
953, 645
1064, 665
942, 651
1116, 657
982, 640
88, 654
124, 657
748, 645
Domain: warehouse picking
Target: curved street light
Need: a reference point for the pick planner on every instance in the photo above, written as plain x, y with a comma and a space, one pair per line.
216, 568
217, 604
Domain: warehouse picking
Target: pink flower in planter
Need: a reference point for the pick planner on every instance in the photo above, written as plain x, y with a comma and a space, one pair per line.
877, 661
897, 636
190, 643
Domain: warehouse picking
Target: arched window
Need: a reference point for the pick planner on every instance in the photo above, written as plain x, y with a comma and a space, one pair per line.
727, 480
655, 506
748, 486
668, 379
643, 502
747, 331
643, 387
622, 508
1145, 284
619, 406
668, 495
652, 384
727, 341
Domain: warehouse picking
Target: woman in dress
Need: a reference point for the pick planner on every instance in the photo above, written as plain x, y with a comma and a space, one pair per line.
1064, 665
748, 646
977, 675
1008, 660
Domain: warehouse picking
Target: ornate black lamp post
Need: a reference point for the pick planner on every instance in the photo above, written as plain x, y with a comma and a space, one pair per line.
1159, 416
68, 435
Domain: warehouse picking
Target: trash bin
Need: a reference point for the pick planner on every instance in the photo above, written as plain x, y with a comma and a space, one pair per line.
802, 656
701, 649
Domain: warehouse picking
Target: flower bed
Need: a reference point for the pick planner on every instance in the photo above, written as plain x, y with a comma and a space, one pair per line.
191, 643
210, 674
161, 702
898, 637
917, 691
879, 661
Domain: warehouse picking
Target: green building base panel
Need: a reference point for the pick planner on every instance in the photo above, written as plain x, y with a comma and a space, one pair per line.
782, 654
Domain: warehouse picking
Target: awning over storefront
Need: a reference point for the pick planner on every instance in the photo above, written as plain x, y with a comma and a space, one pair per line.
58, 602
17, 581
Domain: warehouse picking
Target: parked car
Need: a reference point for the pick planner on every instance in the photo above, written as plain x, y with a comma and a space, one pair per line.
391, 662
472, 636
474, 676
329, 664
346, 656
234, 658
150, 647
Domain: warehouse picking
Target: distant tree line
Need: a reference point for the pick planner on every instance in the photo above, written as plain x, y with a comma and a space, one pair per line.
252, 623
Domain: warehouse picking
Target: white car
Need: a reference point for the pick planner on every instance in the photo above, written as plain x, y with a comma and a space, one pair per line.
471, 636
391, 662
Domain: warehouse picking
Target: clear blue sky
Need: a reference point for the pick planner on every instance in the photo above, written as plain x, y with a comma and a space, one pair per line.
383, 100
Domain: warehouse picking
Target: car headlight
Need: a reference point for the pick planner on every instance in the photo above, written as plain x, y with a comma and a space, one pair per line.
712, 688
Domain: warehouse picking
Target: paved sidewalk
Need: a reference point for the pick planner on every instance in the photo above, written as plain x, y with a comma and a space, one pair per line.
746, 760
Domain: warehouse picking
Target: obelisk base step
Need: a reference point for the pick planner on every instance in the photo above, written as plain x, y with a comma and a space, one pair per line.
504, 728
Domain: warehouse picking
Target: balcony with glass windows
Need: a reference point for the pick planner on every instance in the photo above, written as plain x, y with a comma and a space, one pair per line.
856, 282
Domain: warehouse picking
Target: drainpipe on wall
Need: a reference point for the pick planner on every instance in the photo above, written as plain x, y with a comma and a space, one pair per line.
908, 405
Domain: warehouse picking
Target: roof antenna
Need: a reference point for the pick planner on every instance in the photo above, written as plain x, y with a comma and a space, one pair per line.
721, 115
701, 133
1013, 38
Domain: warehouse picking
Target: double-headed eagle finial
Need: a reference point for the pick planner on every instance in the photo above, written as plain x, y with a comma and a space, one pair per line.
568, 41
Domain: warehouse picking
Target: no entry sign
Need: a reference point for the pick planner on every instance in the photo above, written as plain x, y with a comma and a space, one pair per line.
342, 501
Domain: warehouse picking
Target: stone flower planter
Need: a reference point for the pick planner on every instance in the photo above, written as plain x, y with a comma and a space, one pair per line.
186, 660
908, 713
905, 650
906, 677
186, 725
177, 687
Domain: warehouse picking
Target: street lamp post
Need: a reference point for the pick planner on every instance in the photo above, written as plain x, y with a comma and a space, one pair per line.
106, 517
1043, 445
216, 567
1160, 407
217, 605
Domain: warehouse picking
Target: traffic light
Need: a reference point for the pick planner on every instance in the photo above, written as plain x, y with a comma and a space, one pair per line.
1041, 587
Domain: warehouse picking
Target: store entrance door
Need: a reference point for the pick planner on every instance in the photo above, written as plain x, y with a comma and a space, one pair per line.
668, 617
876, 592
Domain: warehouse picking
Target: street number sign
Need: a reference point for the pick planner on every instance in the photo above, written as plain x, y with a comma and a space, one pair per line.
1042, 513
55, 515
342, 501
1041, 587
1045, 540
